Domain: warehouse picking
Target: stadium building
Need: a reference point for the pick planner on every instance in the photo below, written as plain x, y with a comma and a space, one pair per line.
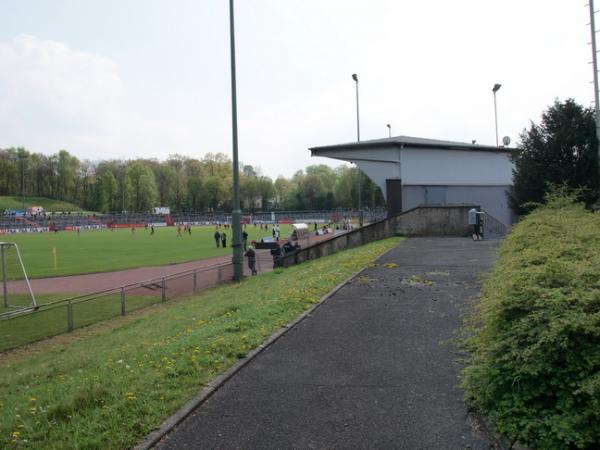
414, 171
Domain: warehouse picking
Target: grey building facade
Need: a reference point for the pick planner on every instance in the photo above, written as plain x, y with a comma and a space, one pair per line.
415, 171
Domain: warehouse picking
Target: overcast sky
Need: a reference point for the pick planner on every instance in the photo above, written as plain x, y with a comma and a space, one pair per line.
148, 78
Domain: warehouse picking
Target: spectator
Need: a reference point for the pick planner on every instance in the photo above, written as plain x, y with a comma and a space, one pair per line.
251, 255
245, 238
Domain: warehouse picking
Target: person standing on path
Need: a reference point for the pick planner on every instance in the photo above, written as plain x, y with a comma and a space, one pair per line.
475, 222
224, 239
251, 255
245, 238
217, 238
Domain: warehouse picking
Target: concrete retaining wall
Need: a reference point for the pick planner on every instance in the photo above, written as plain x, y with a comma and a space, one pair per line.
435, 221
370, 233
420, 221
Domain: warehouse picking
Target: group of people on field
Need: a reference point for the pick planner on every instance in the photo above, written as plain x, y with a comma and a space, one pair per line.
220, 238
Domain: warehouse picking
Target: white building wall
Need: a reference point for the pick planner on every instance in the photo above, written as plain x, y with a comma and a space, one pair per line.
456, 167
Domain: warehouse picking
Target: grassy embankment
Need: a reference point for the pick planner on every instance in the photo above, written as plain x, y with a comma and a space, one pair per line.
535, 364
51, 322
105, 250
7, 202
108, 385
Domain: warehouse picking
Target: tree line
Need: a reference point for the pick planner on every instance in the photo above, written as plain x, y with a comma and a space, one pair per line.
181, 183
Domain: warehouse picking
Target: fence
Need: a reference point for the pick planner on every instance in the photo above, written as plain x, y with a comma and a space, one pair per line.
27, 325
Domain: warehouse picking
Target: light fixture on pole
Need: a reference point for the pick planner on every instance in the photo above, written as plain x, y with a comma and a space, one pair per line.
360, 213
389, 129
494, 90
236, 216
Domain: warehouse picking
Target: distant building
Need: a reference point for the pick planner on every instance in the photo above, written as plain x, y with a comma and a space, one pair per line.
414, 171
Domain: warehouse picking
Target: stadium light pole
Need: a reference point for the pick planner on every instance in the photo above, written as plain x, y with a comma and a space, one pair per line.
360, 212
236, 216
595, 67
494, 90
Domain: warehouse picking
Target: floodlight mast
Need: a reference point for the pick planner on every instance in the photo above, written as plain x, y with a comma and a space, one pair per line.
595, 66
236, 216
494, 90
360, 212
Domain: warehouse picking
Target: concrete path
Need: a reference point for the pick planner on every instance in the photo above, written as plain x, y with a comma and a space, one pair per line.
370, 368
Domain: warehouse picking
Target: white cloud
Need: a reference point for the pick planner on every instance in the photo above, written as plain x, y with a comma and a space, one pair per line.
57, 97
47, 80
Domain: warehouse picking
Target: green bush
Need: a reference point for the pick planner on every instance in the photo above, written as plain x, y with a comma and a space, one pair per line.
534, 337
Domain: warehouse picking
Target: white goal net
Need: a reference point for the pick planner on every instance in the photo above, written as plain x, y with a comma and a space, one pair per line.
16, 290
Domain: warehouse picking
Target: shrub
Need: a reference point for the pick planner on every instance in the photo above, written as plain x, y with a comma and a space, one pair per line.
534, 337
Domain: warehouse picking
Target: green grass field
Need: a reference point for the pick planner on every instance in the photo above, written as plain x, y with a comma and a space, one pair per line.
7, 202
108, 385
105, 250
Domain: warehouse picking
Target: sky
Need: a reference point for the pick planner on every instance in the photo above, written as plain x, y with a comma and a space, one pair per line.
151, 78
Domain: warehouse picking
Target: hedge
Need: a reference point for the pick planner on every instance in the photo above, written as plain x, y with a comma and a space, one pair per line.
534, 336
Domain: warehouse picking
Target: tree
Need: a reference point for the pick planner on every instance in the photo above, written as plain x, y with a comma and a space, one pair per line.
166, 177
195, 193
107, 192
143, 186
215, 189
282, 188
562, 149
66, 171
178, 163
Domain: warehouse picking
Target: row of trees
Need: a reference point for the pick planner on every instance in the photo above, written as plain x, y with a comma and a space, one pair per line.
183, 184
562, 149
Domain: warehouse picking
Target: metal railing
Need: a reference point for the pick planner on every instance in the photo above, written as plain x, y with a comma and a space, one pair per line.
493, 228
29, 324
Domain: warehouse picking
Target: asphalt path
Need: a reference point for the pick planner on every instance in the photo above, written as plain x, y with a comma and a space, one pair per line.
373, 367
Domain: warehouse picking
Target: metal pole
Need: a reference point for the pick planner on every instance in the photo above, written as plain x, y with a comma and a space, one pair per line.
25, 275
4, 277
360, 214
195, 281
122, 301
164, 290
496, 118
236, 216
69, 316
595, 65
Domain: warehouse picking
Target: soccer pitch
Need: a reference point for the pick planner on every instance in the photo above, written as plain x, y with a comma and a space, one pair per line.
105, 250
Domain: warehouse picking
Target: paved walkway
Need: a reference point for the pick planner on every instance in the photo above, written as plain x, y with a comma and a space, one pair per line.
370, 368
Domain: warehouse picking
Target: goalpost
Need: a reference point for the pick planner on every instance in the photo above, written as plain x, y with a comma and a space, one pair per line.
10, 259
